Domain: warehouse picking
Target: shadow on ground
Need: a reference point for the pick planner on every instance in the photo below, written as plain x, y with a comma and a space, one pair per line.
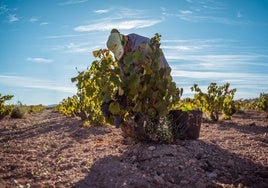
187, 164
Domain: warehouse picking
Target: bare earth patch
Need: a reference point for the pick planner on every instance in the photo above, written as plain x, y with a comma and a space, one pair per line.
49, 150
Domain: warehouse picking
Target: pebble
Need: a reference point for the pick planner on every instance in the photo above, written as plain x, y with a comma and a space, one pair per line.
134, 158
184, 182
212, 175
170, 179
100, 149
230, 163
36, 186
151, 148
135, 151
84, 170
159, 180
162, 164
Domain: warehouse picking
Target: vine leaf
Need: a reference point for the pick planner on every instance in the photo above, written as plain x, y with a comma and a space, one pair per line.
114, 108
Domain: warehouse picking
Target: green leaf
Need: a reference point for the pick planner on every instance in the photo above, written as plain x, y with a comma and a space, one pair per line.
148, 70
128, 60
161, 109
120, 91
114, 108
138, 56
96, 53
133, 83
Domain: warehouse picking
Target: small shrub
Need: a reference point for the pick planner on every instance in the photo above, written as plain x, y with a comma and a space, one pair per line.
36, 108
217, 99
263, 102
4, 110
19, 111
160, 132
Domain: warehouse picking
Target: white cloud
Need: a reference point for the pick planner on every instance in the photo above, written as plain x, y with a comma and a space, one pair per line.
217, 60
101, 11
9, 14
216, 75
33, 19
186, 12
3, 9
121, 18
28, 82
212, 11
213, 54
194, 17
44, 23
251, 83
182, 47
64, 36
73, 2
109, 24
39, 60
127, 13
76, 48
12, 18
225, 59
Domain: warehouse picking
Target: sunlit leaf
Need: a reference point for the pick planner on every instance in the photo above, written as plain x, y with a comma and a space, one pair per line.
120, 91
114, 108
96, 53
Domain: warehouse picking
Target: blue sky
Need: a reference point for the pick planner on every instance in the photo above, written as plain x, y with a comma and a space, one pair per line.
204, 41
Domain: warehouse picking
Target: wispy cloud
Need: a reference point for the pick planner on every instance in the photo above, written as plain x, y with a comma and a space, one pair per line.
9, 14
183, 47
44, 23
39, 60
128, 13
3, 9
29, 82
126, 25
75, 48
73, 2
218, 75
245, 83
209, 11
213, 51
12, 18
185, 12
33, 19
101, 11
217, 60
63, 36
121, 18
197, 17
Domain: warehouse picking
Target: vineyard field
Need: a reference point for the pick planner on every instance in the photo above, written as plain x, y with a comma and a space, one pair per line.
47, 149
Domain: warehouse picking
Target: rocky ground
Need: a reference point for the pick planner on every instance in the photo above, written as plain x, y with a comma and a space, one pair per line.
49, 150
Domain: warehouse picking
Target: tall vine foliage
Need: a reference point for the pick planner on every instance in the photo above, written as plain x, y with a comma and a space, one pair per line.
147, 89
4, 111
94, 86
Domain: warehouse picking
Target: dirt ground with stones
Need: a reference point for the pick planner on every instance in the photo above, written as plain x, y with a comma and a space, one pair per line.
49, 150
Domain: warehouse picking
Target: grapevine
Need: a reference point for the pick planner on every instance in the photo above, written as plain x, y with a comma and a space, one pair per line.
138, 91
4, 111
217, 99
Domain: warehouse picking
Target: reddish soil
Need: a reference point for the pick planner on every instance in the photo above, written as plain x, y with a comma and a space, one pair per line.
47, 149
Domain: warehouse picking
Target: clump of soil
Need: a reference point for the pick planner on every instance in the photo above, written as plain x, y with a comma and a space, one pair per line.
47, 149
